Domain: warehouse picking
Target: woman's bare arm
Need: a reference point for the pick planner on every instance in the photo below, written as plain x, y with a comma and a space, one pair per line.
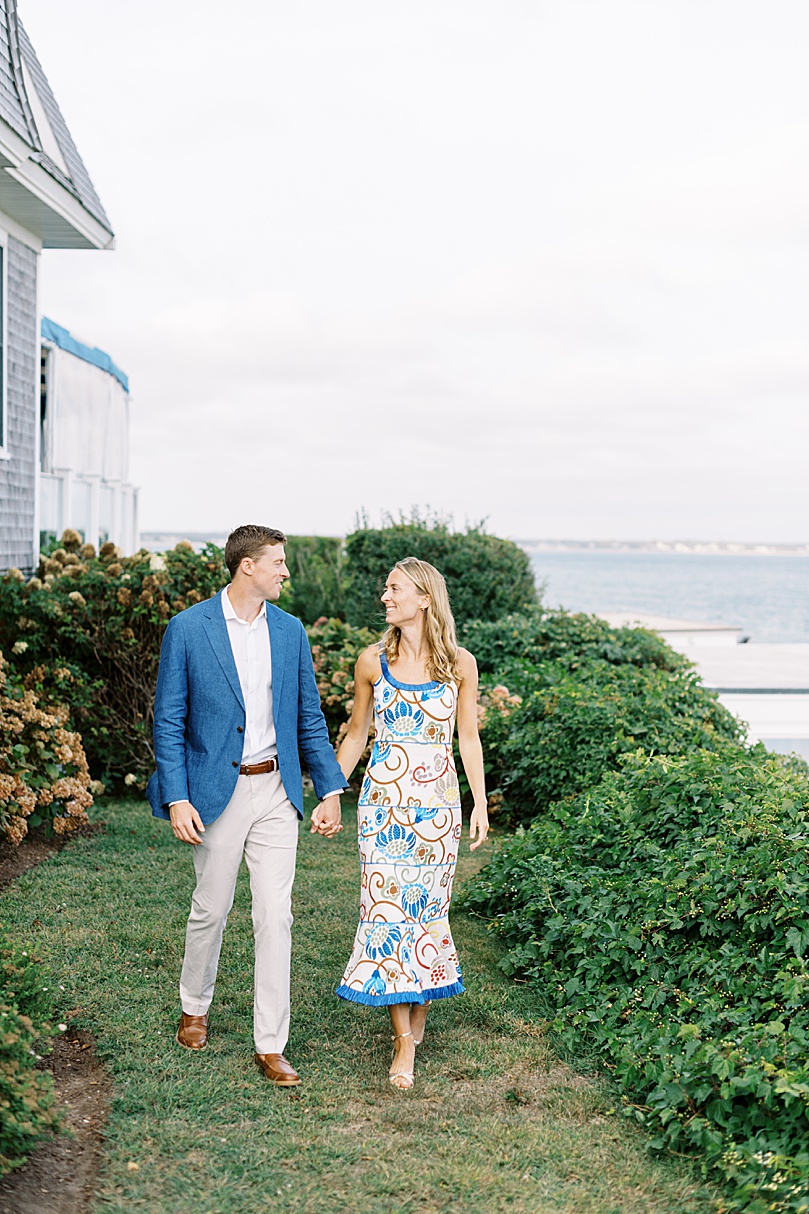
356, 739
470, 747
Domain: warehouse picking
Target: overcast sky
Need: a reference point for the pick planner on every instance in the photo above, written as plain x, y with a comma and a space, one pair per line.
539, 261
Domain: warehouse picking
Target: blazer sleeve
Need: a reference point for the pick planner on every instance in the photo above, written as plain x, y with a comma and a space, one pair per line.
313, 733
170, 714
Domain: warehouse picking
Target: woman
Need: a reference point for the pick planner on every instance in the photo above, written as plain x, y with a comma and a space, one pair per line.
412, 683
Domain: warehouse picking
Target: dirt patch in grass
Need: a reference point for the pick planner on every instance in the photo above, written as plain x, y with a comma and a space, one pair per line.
60, 1175
16, 859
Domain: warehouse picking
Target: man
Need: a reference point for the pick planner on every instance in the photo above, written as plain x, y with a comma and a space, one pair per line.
236, 698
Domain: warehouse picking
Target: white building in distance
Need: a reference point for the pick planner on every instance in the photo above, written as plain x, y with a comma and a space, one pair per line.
84, 444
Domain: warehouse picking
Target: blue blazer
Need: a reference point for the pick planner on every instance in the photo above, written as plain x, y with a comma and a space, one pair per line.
199, 713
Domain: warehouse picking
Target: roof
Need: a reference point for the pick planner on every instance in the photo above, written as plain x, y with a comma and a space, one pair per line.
37, 152
90, 354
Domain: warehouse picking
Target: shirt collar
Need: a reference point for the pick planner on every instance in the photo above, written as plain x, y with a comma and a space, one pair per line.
230, 611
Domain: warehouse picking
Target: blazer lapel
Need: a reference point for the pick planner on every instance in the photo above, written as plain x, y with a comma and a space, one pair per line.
278, 650
216, 631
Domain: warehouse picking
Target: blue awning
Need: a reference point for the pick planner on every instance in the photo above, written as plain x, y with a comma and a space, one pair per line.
62, 338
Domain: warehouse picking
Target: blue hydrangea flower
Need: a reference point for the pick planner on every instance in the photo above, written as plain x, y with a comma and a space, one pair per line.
403, 720
414, 899
382, 940
397, 842
375, 984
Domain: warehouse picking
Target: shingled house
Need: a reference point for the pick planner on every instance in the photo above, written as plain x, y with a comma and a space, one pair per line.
47, 201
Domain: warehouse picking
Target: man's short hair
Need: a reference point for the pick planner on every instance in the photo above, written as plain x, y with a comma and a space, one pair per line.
249, 540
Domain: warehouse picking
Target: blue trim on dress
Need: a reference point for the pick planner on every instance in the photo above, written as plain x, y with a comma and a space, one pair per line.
383, 661
441, 992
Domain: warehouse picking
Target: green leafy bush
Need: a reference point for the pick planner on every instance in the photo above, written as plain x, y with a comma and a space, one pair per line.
487, 577
335, 649
539, 636
551, 730
44, 779
99, 620
664, 917
28, 1111
317, 569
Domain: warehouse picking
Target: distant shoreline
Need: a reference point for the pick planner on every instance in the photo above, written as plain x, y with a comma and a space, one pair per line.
160, 540
676, 547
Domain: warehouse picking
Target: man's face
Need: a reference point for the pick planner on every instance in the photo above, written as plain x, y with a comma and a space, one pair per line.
269, 571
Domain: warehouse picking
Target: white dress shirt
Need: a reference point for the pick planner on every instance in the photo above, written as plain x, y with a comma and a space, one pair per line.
252, 654
250, 643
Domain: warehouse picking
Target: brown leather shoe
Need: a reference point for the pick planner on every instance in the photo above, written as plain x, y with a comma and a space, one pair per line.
278, 1070
193, 1032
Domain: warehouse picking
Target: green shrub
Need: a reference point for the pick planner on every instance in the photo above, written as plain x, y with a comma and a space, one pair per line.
335, 649
571, 720
27, 1107
44, 779
90, 627
570, 639
317, 569
487, 577
664, 917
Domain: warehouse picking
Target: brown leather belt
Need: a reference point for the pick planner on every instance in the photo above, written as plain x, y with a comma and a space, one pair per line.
258, 769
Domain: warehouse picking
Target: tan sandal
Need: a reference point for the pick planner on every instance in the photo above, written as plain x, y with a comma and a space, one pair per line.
407, 1077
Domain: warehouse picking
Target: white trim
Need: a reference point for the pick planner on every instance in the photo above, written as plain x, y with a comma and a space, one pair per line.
13, 147
37, 415
59, 200
50, 144
11, 228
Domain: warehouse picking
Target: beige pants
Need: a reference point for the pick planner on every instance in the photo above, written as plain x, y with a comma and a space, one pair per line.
261, 824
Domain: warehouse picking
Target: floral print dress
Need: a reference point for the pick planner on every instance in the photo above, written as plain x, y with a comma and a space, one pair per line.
409, 832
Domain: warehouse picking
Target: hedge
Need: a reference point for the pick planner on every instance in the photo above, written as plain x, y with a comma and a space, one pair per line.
486, 577
663, 917
28, 1111
573, 697
44, 778
88, 630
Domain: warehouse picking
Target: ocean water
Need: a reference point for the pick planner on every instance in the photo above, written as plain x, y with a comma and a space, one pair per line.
766, 596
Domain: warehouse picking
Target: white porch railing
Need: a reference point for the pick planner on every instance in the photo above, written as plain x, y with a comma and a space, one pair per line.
99, 510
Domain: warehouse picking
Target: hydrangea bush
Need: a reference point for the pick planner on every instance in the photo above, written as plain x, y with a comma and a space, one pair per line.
335, 649
88, 629
44, 777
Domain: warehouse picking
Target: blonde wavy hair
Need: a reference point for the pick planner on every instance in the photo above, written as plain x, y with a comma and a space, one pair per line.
439, 625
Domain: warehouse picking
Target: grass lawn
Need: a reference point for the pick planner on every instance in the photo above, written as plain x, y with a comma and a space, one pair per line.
494, 1123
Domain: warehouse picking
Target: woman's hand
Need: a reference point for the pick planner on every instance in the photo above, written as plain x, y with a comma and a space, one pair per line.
479, 825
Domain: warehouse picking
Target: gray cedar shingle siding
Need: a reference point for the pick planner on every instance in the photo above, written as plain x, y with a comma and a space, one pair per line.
11, 110
18, 474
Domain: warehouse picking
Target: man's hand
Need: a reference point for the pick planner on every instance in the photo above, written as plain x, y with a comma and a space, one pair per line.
326, 818
185, 822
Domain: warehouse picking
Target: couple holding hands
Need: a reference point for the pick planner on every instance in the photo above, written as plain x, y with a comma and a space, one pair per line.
236, 702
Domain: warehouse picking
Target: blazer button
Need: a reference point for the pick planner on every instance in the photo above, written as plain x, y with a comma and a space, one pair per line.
239, 729
234, 763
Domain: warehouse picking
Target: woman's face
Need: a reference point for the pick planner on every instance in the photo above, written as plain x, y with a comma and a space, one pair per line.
403, 600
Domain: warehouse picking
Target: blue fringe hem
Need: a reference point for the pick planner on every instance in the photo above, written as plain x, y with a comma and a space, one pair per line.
441, 992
